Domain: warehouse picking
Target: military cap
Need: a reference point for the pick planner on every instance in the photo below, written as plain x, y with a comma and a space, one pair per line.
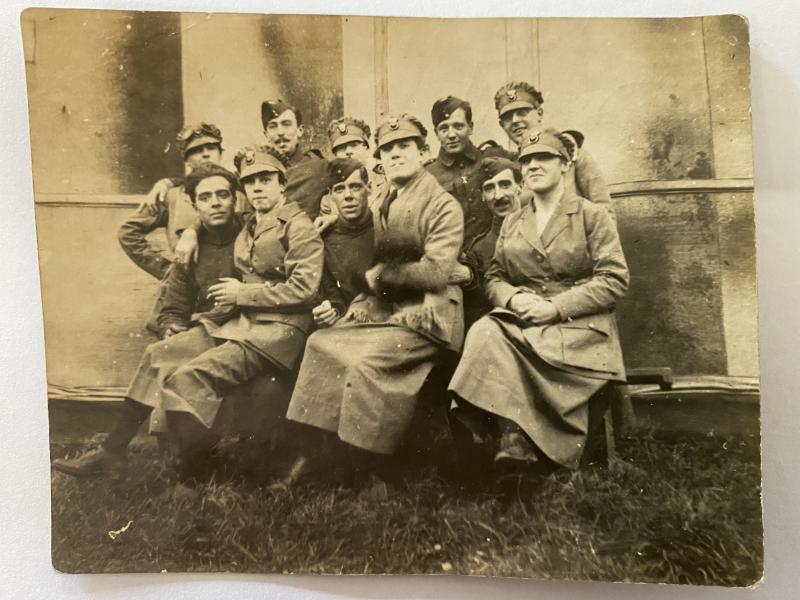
548, 141
492, 166
272, 109
198, 134
444, 107
259, 159
345, 130
339, 169
399, 127
517, 94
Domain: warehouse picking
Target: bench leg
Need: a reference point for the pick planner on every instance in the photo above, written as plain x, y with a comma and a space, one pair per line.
611, 444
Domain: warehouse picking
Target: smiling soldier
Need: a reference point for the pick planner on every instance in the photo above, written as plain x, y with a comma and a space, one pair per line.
520, 114
361, 378
458, 161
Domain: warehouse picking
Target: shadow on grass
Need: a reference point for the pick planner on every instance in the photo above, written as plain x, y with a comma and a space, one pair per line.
681, 510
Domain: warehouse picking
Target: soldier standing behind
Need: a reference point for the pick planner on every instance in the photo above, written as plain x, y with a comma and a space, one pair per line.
457, 164
520, 114
305, 175
199, 144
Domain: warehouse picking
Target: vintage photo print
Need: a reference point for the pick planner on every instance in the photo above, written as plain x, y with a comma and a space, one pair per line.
338, 295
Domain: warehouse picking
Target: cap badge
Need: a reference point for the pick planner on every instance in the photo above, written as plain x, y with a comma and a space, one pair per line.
512, 95
342, 127
393, 124
534, 138
250, 157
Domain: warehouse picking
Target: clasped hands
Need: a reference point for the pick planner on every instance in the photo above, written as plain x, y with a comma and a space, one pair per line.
533, 308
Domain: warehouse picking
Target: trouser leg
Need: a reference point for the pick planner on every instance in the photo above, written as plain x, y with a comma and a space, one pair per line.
197, 386
193, 439
127, 425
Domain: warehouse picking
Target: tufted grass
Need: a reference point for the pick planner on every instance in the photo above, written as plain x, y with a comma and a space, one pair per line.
679, 510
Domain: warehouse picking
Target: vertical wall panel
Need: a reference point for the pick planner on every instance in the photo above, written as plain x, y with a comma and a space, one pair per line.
728, 63
474, 68
101, 115
672, 314
635, 87
359, 87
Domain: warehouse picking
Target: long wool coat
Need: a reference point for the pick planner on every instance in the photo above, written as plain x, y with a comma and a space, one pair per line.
542, 376
361, 377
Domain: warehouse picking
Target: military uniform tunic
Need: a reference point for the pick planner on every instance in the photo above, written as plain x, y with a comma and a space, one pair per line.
542, 376
306, 180
349, 250
457, 174
280, 260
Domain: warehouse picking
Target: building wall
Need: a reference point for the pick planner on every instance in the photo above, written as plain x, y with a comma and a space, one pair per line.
102, 118
658, 100
664, 101
232, 62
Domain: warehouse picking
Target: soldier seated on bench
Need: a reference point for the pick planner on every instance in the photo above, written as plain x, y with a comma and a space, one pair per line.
258, 325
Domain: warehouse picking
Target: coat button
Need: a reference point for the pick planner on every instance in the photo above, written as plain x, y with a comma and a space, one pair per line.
539, 257
252, 269
544, 288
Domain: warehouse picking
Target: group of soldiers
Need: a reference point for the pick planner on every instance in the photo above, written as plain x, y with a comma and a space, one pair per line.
378, 254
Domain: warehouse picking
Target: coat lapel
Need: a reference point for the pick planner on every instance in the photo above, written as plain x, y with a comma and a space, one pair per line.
568, 205
527, 227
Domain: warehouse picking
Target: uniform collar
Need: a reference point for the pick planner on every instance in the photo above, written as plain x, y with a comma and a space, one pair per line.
470, 154
283, 214
559, 221
301, 152
568, 204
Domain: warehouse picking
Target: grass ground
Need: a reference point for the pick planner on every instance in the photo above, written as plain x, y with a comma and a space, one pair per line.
682, 510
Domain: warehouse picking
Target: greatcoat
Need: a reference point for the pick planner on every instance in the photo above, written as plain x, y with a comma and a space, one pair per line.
361, 377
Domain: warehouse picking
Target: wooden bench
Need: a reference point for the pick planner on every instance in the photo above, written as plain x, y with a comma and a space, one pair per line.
611, 411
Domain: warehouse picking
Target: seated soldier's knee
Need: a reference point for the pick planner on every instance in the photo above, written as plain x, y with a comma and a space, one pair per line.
482, 328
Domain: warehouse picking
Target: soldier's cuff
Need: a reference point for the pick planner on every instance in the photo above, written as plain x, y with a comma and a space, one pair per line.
250, 294
565, 312
505, 293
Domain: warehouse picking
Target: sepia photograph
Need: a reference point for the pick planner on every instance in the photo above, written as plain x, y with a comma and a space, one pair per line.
329, 294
